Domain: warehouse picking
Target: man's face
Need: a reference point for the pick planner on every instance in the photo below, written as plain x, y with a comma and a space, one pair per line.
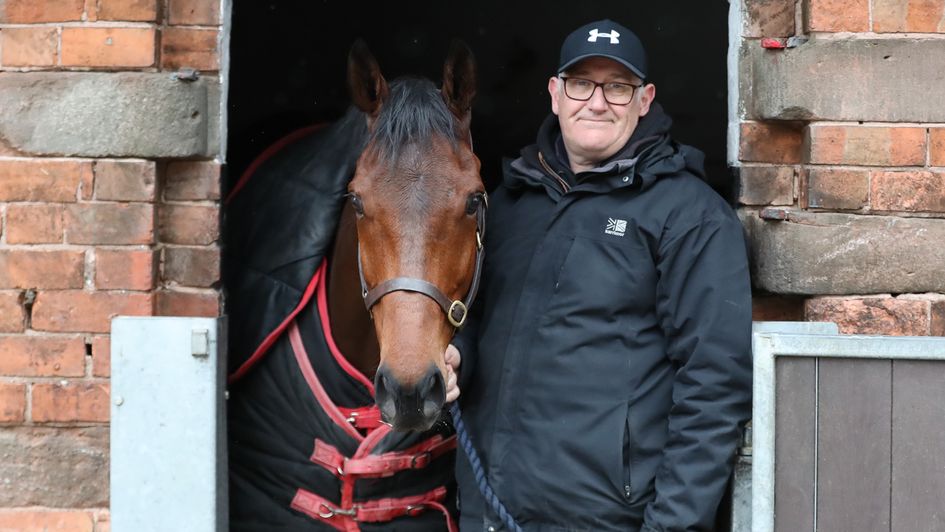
593, 130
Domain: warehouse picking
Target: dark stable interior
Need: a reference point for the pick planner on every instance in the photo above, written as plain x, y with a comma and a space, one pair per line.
288, 66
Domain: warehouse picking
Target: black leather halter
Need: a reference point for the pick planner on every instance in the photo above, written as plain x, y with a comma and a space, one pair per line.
456, 311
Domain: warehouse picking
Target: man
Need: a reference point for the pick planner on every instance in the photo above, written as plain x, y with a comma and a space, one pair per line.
608, 371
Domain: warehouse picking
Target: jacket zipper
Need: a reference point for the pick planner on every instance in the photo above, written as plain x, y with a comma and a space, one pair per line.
564, 184
626, 459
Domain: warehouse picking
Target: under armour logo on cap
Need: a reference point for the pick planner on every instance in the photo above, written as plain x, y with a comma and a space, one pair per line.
613, 35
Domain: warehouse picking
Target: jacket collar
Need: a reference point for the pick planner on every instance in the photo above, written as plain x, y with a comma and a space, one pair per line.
649, 154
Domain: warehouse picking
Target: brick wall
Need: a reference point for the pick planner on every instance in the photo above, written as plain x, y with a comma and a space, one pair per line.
842, 153
109, 191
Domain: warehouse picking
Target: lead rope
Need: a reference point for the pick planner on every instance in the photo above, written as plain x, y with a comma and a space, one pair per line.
484, 488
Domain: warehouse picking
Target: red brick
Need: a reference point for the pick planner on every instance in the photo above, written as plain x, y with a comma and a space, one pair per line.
192, 48
193, 225
41, 356
23, 47
80, 311
103, 522
937, 327
919, 191
12, 317
771, 142
32, 11
766, 185
937, 146
201, 304
867, 145
25, 268
12, 408
769, 18
194, 12
921, 16
130, 10
872, 315
91, 10
838, 15
197, 267
34, 224
829, 188
70, 401
108, 47
101, 356
41, 180
124, 269
110, 223
192, 180
124, 180
777, 308
45, 520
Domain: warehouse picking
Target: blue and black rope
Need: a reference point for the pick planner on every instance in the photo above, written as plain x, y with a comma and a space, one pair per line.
484, 488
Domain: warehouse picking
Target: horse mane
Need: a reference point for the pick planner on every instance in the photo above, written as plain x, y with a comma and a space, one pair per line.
413, 114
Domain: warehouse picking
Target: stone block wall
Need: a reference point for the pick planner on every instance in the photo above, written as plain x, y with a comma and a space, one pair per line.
109, 205
842, 154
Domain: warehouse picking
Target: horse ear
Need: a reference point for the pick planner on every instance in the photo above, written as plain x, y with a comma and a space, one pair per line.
367, 85
459, 80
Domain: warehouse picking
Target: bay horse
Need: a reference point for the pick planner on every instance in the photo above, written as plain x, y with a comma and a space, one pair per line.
336, 417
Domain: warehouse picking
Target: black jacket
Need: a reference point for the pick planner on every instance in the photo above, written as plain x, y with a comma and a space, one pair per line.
607, 369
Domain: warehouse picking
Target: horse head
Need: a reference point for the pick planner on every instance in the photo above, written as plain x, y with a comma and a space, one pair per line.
420, 203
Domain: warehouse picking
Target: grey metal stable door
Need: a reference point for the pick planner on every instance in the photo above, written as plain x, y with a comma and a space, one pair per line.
168, 453
848, 433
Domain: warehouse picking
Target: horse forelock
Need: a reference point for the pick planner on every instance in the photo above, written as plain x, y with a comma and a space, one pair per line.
413, 115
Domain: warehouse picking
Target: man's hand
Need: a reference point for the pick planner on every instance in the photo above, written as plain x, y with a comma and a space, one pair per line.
453, 359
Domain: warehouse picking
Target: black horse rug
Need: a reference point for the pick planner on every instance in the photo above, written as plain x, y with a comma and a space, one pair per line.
307, 450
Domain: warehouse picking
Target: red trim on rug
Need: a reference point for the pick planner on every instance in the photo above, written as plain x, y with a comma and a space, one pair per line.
268, 153
322, 298
274, 335
305, 365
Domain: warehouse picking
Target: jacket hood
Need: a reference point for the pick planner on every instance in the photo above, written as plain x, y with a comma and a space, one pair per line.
650, 154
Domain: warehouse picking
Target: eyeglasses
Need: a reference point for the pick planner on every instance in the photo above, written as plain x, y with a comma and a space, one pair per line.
615, 93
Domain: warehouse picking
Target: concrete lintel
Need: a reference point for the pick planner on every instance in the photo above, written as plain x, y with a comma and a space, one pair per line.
836, 254
115, 114
885, 80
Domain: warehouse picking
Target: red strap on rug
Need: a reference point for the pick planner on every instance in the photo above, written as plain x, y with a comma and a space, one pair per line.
387, 464
364, 418
381, 465
308, 373
376, 511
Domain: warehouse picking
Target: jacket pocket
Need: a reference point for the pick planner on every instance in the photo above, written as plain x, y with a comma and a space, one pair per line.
627, 461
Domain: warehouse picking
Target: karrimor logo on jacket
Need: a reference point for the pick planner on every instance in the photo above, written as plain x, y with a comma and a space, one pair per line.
616, 227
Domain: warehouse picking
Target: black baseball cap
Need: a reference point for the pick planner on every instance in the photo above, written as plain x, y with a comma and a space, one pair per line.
604, 38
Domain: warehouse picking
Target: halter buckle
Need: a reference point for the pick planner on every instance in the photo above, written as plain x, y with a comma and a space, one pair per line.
462, 308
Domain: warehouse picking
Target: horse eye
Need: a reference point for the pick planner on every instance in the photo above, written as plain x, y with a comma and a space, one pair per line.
472, 203
357, 204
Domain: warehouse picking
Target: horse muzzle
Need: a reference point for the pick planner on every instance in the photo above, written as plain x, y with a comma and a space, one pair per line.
410, 407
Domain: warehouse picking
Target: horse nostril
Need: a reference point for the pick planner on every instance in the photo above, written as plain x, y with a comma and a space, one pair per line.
385, 390
433, 393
